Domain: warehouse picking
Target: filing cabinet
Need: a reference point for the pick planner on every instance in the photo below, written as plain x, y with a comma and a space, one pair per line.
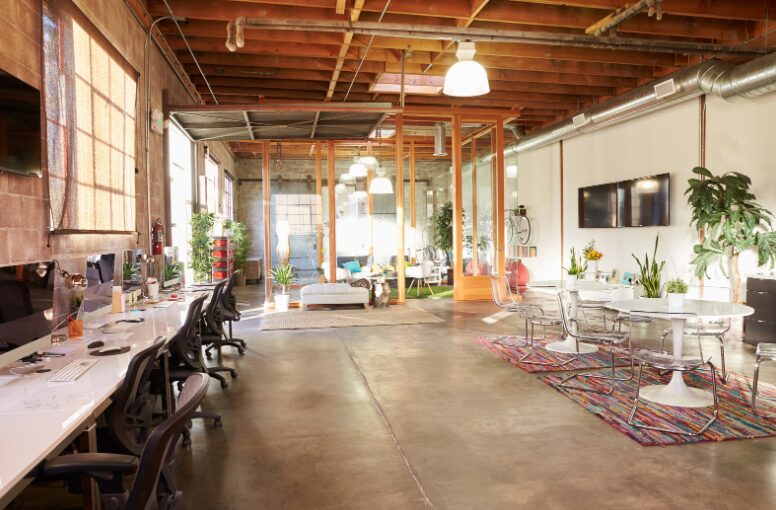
761, 295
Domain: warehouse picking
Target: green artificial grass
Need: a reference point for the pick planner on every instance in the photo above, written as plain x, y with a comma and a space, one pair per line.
440, 291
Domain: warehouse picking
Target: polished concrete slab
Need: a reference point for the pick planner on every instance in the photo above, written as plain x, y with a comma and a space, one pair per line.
407, 417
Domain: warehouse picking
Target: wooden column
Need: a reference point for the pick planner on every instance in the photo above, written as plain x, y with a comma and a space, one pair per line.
330, 179
370, 205
319, 194
475, 227
457, 217
400, 283
500, 188
265, 187
413, 213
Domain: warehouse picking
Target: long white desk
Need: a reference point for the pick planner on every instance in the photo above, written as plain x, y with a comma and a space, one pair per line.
38, 418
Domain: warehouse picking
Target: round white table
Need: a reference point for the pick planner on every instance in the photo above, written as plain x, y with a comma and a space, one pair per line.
676, 392
569, 345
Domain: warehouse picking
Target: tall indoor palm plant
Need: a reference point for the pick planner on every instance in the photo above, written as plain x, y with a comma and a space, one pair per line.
725, 210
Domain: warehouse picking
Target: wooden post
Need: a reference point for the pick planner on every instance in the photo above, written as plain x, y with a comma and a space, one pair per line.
399, 137
332, 212
475, 227
413, 213
500, 189
457, 216
370, 206
319, 194
265, 186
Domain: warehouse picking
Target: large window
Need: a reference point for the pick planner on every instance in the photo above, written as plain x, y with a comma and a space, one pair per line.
228, 196
211, 184
180, 152
90, 93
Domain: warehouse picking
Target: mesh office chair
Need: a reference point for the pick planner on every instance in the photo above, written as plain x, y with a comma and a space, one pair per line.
15, 301
532, 315
212, 324
608, 339
664, 362
109, 469
229, 311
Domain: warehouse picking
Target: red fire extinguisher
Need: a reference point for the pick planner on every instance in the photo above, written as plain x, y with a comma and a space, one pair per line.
158, 237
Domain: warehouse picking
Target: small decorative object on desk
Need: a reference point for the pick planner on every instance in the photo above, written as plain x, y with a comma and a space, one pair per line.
153, 288
675, 291
592, 254
75, 324
577, 267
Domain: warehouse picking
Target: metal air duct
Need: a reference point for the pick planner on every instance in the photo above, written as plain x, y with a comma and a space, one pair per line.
439, 139
711, 77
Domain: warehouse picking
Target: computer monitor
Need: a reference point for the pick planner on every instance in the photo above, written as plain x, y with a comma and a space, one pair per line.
101, 272
26, 303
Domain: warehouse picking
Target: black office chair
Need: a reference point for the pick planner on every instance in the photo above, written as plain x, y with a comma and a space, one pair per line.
109, 469
15, 301
130, 417
229, 311
212, 328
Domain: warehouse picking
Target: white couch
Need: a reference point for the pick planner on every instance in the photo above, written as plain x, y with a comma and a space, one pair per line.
334, 294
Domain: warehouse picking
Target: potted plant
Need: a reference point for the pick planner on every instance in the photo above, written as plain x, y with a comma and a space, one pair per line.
592, 254
242, 245
650, 272
442, 223
675, 291
732, 222
577, 267
172, 274
201, 254
284, 276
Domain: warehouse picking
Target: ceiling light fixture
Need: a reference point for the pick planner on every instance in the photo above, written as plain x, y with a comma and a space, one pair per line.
381, 185
357, 169
466, 78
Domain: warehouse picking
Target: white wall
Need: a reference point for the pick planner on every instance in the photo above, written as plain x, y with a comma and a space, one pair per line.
538, 176
664, 141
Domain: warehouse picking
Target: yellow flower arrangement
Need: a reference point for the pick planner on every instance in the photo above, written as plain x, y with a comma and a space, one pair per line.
591, 253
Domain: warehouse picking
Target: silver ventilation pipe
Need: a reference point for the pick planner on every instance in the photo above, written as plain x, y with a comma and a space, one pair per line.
711, 77
439, 139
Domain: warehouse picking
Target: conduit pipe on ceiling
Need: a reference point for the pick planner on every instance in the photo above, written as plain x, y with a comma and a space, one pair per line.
711, 77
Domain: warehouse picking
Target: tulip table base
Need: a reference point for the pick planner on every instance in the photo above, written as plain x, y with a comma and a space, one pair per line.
677, 393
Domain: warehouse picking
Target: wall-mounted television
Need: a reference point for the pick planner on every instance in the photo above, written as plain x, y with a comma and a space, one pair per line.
20, 137
642, 202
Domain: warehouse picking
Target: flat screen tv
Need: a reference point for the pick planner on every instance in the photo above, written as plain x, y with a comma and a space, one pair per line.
642, 202
26, 303
598, 206
20, 137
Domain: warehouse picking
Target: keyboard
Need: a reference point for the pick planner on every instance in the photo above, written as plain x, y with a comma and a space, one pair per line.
73, 370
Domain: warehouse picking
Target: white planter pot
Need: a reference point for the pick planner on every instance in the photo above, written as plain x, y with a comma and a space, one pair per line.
571, 280
675, 301
281, 302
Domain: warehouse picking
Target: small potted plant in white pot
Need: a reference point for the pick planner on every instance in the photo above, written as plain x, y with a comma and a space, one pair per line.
284, 276
675, 291
577, 267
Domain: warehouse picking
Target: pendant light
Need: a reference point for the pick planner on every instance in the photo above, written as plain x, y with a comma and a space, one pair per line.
380, 185
357, 169
368, 160
466, 78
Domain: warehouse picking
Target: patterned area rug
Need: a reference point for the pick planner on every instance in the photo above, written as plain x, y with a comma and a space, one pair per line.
736, 419
506, 347
317, 319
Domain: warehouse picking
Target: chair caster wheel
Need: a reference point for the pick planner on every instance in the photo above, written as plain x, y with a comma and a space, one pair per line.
224, 384
217, 424
209, 356
233, 374
241, 351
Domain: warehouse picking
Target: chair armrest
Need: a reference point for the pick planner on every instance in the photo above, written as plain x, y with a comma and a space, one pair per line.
93, 464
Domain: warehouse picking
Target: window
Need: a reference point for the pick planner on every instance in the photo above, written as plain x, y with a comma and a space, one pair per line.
180, 150
90, 94
211, 185
228, 196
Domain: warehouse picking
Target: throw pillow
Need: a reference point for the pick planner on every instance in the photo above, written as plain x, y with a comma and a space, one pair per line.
352, 266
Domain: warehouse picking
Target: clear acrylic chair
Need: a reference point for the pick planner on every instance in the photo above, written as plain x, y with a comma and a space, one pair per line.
664, 362
765, 352
610, 340
708, 328
532, 314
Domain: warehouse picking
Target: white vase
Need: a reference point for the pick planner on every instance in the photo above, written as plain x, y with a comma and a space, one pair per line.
675, 301
571, 280
281, 302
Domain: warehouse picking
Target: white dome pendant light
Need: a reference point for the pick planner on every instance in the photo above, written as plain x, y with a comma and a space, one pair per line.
357, 169
466, 78
380, 185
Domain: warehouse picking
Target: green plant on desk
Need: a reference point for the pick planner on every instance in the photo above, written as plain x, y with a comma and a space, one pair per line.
172, 271
577, 265
676, 286
129, 271
650, 272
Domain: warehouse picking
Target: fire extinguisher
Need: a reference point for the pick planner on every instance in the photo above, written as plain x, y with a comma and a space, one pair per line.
158, 237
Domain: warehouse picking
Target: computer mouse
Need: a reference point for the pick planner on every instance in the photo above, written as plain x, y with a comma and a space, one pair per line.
95, 344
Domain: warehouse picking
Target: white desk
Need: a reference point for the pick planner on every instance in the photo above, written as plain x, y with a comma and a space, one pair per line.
676, 392
39, 418
569, 345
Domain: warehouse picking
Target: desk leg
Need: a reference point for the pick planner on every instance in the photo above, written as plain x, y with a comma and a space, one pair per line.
88, 442
677, 393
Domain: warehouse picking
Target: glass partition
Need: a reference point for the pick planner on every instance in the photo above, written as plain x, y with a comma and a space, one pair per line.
478, 203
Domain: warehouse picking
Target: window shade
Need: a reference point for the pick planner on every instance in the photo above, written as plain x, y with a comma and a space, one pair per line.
90, 105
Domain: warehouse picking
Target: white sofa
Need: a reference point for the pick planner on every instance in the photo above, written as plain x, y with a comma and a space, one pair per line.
334, 294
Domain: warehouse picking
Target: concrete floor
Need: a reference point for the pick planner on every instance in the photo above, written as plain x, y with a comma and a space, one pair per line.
413, 417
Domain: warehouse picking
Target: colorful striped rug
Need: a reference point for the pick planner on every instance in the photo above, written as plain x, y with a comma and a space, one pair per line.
506, 347
736, 419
